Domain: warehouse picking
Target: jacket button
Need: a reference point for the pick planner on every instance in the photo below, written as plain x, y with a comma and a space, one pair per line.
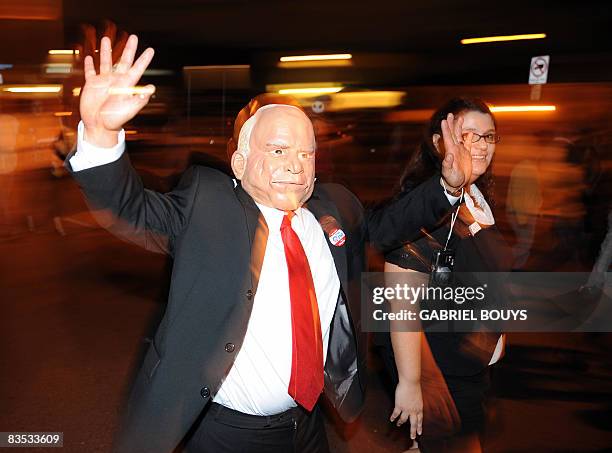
205, 392
249, 294
230, 347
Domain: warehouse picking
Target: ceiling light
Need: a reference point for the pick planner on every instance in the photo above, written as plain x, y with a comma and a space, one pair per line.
33, 89
502, 38
522, 108
335, 56
63, 52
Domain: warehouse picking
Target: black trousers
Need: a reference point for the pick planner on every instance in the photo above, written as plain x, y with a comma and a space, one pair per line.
224, 430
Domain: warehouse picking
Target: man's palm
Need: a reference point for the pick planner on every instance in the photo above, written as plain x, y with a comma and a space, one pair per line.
110, 99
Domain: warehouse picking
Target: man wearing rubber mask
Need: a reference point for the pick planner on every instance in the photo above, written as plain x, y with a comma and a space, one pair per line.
263, 311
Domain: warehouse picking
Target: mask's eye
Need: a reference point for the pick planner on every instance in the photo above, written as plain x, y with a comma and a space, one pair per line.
278, 152
306, 155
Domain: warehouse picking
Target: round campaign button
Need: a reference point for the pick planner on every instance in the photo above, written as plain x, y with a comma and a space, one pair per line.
337, 237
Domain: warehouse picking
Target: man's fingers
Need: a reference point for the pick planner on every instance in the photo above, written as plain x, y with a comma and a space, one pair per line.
136, 71
396, 413
135, 92
413, 425
106, 59
140, 100
149, 90
138, 97
129, 107
88, 68
127, 57
144, 94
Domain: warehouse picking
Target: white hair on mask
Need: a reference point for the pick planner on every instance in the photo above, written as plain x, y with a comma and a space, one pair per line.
245, 134
244, 138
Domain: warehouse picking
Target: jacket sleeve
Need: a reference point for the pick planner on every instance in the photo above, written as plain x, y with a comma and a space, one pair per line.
121, 204
401, 220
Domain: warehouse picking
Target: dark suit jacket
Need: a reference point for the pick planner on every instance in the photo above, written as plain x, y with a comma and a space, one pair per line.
459, 353
217, 236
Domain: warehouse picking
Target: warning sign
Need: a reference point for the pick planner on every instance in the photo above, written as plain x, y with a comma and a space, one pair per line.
538, 71
318, 107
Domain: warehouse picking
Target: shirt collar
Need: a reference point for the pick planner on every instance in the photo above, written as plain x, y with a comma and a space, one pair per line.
481, 213
274, 217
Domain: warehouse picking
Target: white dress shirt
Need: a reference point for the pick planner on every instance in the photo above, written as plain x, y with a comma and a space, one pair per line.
258, 381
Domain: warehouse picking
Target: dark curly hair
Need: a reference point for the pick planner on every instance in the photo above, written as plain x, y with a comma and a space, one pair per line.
426, 161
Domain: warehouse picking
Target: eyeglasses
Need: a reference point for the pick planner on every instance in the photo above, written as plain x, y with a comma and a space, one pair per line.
491, 138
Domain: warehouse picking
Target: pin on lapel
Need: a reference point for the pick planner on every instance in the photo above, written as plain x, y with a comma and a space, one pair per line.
332, 229
337, 237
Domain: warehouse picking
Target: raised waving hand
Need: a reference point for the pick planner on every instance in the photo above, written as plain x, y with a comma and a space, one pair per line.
111, 98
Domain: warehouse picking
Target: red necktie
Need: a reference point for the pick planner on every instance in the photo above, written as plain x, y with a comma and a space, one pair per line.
306, 380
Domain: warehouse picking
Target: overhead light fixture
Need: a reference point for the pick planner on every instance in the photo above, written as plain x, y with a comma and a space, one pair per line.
33, 89
63, 52
503, 38
310, 90
365, 100
522, 108
305, 89
314, 64
62, 113
335, 56
58, 68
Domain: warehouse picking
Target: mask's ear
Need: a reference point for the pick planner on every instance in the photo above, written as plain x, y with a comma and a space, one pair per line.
238, 164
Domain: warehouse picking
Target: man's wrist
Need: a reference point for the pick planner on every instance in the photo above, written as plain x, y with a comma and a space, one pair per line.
101, 138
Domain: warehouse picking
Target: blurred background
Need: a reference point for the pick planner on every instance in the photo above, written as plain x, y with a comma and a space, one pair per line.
78, 304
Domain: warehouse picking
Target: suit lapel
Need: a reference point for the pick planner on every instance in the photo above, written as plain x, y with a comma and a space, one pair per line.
258, 234
327, 215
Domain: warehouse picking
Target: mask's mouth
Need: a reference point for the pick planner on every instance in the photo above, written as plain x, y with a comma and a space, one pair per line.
289, 183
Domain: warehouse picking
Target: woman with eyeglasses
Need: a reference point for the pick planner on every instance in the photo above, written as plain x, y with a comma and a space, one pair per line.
441, 378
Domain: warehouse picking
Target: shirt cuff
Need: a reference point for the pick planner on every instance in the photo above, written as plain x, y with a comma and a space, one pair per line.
90, 156
451, 198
